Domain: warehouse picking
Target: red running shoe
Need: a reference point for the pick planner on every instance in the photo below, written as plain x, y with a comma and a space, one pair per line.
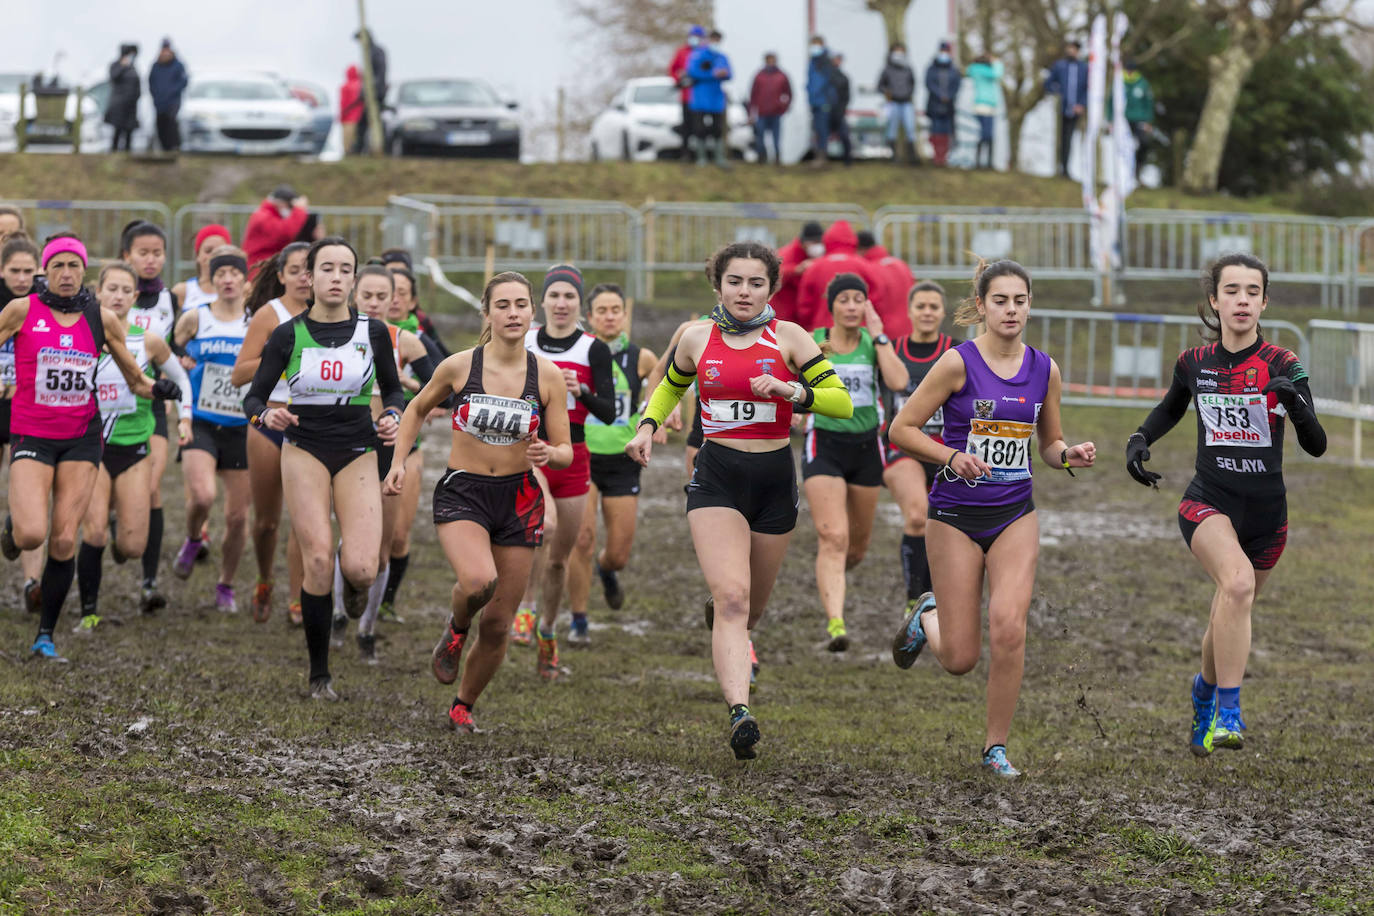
448, 654
460, 719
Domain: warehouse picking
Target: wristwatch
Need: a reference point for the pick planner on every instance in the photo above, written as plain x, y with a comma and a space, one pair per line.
798, 392
882, 339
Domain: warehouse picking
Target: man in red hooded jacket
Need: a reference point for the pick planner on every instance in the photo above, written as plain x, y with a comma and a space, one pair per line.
796, 256
897, 281
351, 107
841, 257
282, 218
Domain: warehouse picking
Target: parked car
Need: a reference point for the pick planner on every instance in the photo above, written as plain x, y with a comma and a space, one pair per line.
641, 123
451, 116
91, 110
245, 113
316, 98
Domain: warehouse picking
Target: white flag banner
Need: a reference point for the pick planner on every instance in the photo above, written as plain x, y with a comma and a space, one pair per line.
1123, 141
1097, 96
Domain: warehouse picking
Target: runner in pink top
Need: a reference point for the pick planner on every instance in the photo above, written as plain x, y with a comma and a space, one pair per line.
55, 421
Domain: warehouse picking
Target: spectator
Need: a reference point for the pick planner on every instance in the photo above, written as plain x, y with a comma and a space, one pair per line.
897, 83
281, 219
708, 69
1068, 79
678, 71
796, 256
820, 95
166, 83
379, 85
987, 86
351, 106
839, 115
895, 281
841, 257
769, 99
942, 88
121, 112
1140, 110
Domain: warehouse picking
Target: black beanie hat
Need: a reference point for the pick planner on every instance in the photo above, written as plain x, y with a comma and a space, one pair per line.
812, 232
564, 273
841, 283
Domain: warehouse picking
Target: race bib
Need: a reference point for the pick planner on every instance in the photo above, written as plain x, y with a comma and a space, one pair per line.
859, 381
496, 420
744, 411
331, 372
933, 427
64, 377
1004, 446
8, 374
217, 393
1235, 419
115, 396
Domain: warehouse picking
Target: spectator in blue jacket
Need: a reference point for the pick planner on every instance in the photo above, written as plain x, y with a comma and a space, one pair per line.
1068, 79
708, 70
166, 82
942, 88
820, 95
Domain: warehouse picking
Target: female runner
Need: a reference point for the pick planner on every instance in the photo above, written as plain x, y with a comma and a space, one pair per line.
54, 420
908, 479
488, 508
742, 501
123, 480
212, 335
200, 289
842, 460
18, 276
1234, 514
996, 392
330, 357
280, 292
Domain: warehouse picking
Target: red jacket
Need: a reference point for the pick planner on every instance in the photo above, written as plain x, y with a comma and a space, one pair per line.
842, 257
350, 97
784, 301
897, 280
771, 93
679, 67
268, 232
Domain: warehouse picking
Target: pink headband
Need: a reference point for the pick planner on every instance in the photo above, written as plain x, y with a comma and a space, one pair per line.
64, 244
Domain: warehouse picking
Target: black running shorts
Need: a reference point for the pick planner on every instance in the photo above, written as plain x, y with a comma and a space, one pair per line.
229, 444
856, 458
616, 475
1260, 522
510, 507
761, 486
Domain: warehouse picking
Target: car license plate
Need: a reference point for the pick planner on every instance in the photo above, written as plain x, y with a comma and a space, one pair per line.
468, 137
250, 147
47, 130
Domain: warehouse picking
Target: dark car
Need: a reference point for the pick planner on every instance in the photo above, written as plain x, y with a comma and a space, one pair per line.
451, 117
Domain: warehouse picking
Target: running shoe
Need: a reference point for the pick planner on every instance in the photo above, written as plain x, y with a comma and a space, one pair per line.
839, 638
387, 614
995, 759
186, 559
87, 624
460, 719
522, 629
710, 608
1228, 729
150, 600
744, 734
911, 638
577, 631
610, 585
1204, 725
367, 648
322, 688
33, 596
547, 665
7, 545
43, 648
224, 599
448, 654
262, 602
203, 551
293, 613
753, 665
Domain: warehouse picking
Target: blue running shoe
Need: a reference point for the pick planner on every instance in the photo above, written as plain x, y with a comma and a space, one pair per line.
43, 648
1227, 732
995, 759
1204, 724
911, 638
578, 634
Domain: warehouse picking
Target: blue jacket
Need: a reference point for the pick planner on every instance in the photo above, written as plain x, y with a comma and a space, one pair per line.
707, 92
1068, 79
166, 83
820, 84
942, 88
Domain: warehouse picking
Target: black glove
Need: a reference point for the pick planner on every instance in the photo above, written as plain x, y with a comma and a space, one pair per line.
1284, 390
1137, 453
166, 389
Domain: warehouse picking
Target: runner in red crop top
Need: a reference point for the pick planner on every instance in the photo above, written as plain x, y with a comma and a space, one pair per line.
729, 407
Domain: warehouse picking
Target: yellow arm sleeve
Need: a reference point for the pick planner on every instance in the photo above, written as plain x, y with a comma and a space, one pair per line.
825, 393
666, 396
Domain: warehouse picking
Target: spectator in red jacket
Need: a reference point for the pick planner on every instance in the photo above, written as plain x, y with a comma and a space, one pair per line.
678, 71
351, 105
841, 257
897, 280
796, 256
282, 218
769, 99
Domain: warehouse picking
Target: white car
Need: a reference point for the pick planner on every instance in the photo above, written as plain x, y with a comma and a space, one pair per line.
245, 113
9, 117
642, 121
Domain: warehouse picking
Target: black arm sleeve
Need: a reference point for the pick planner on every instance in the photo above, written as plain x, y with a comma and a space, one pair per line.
600, 402
423, 369
275, 354
1311, 436
388, 379
1169, 411
437, 354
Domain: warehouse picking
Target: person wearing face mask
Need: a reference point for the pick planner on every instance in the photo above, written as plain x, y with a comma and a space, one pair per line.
121, 112
283, 218
897, 83
841, 257
1068, 79
895, 281
942, 88
709, 69
769, 98
839, 112
796, 256
678, 71
820, 95
986, 74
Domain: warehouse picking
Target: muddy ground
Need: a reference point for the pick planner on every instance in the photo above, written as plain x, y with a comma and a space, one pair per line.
175, 766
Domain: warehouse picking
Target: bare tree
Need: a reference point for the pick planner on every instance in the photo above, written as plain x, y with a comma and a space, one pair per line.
894, 17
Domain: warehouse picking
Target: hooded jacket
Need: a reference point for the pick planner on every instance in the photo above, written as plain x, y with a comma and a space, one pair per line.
942, 86
166, 83
841, 257
820, 85
351, 96
784, 301
896, 280
121, 111
268, 232
771, 94
678, 68
703, 68
897, 82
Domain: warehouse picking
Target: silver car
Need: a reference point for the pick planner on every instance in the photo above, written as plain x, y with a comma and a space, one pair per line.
451, 116
245, 114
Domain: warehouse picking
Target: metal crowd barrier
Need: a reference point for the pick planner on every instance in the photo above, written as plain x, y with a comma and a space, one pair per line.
938, 242
99, 223
1342, 372
362, 226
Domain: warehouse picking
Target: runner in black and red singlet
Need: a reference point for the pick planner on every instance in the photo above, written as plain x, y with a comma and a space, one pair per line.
909, 479
1234, 514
